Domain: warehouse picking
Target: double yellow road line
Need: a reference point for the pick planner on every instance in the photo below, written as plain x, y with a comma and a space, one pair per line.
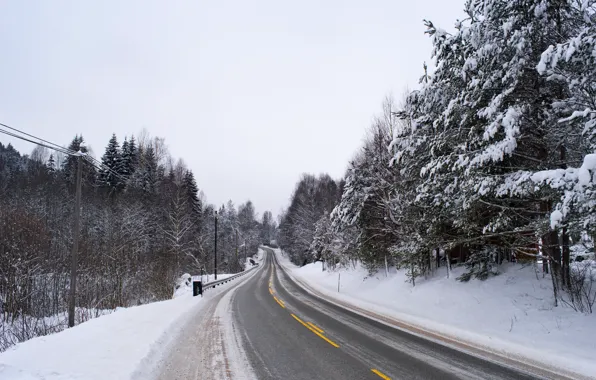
312, 327
316, 330
280, 302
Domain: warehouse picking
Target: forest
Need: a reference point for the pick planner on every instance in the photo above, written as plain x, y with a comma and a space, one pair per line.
144, 223
490, 160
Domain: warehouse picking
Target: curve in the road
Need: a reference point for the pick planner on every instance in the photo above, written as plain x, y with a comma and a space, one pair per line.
289, 333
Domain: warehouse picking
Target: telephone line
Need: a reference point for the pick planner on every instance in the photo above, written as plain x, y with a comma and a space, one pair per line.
37, 143
91, 160
38, 138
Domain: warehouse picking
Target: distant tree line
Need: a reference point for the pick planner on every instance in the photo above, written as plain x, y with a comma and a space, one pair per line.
492, 159
144, 223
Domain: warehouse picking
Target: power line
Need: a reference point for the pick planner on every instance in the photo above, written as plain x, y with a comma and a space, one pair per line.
58, 147
50, 145
64, 151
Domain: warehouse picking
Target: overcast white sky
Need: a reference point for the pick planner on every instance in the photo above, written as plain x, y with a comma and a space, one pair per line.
249, 93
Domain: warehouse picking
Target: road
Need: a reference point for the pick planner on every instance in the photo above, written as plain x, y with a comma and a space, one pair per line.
287, 333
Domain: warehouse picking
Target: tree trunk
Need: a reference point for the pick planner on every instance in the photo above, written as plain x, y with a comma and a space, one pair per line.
448, 261
553, 252
565, 263
565, 236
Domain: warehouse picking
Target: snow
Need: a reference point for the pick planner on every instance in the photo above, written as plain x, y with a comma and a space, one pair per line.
585, 175
258, 257
556, 217
112, 346
511, 314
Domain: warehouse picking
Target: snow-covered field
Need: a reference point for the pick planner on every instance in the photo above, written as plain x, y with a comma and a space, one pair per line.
511, 314
112, 346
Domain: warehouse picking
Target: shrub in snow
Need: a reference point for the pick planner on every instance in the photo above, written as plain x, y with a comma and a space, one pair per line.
582, 288
480, 265
183, 285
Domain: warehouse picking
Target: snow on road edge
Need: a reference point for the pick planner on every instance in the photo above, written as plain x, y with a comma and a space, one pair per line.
114, 346
532, 354
205, 347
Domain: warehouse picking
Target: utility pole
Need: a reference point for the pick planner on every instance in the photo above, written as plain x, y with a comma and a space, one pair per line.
238, 264
75, 246
244, 249
215, 256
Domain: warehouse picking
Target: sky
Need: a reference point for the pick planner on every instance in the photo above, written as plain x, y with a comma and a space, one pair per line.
249, 93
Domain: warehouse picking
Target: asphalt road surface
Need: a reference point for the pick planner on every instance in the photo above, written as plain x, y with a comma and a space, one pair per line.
287, 333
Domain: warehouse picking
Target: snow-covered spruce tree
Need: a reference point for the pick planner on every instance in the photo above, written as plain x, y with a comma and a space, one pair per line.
125, 163
572, 65
129, 158
51, 165
147, 174
484, 118
69, 165
428, 202
192, 194
321, 247
112, 166
369, 184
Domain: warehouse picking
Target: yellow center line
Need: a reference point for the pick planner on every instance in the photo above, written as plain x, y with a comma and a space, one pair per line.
279, 302
316, 332
380, 374
316, 328
271, 291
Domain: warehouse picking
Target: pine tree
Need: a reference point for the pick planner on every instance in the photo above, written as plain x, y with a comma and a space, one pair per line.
150, 174
482, 124
112, 165
133, 153
571, 64
192, 193
69, 165
126, 160
129, 157
51, 165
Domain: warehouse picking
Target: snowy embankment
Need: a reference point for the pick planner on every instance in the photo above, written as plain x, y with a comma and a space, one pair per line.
511, 314
112, 346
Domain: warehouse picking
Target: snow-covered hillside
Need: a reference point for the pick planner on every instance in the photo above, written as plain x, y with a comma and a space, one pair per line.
511, 314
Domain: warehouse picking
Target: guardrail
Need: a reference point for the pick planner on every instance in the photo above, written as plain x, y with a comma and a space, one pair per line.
199, 288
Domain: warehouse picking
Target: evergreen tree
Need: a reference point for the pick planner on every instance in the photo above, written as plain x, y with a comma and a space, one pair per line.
125, 167
148, 171
192, 193
69, 165
51, 165
112, 165
129, 157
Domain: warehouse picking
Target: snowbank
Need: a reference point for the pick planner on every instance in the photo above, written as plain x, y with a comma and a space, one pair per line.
511, 314
257, 258
108, 347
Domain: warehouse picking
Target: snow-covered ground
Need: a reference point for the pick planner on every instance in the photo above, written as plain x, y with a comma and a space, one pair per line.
112, 346
511, 314
257, 258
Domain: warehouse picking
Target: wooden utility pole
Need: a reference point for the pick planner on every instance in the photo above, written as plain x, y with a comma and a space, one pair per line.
238, 264
75, 246
215, 256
